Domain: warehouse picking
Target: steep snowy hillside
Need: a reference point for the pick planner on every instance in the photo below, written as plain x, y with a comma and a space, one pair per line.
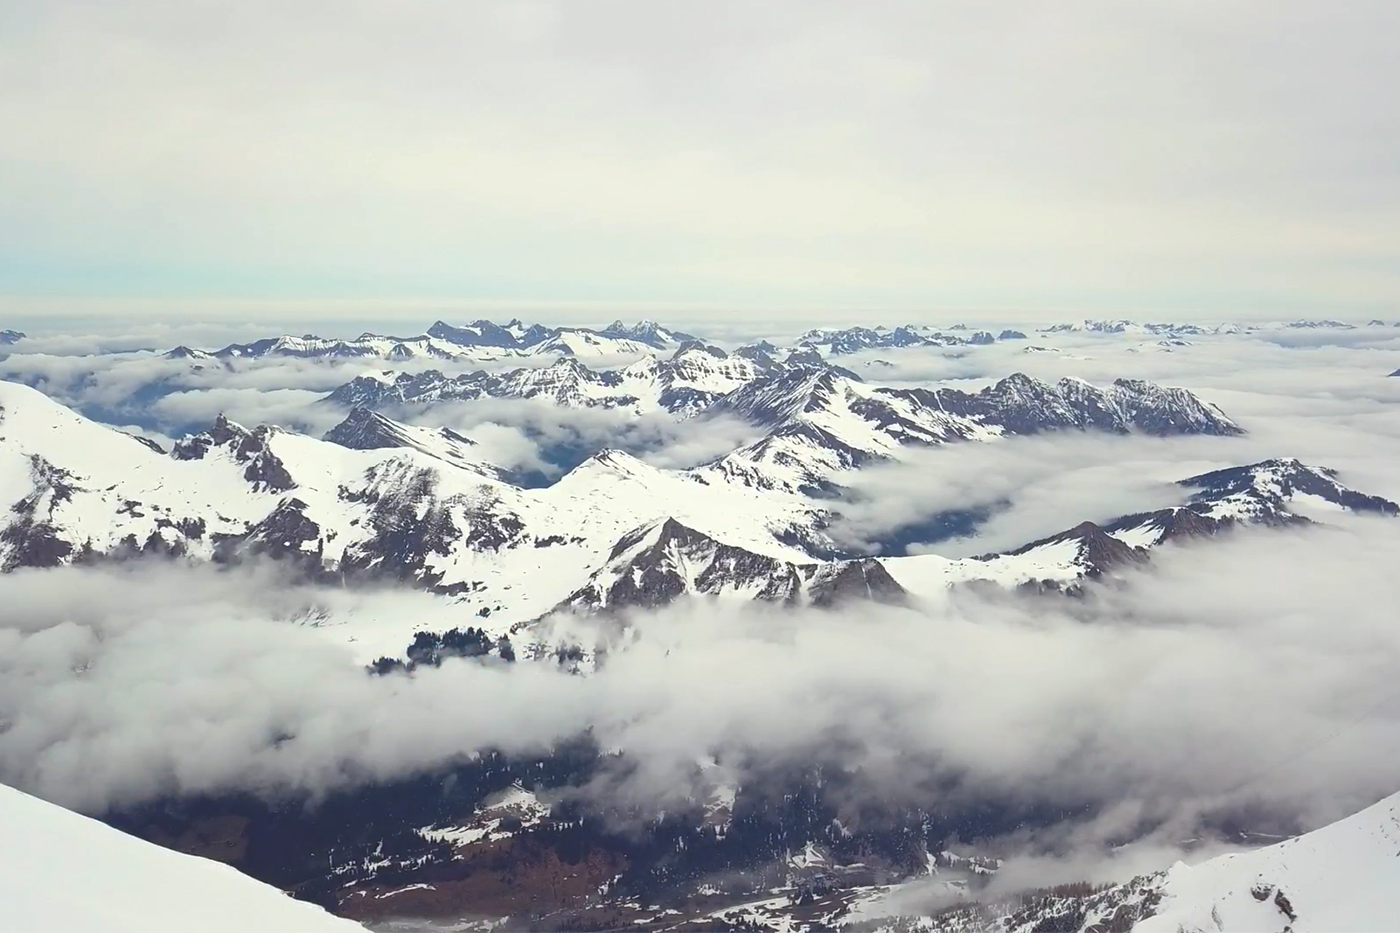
367, 346
1261, 491
1342, 877
65, 873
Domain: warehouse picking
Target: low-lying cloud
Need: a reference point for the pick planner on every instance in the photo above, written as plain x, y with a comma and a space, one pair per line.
1222, 676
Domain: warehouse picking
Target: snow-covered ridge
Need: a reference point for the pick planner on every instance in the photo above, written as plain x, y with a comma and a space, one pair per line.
66, 873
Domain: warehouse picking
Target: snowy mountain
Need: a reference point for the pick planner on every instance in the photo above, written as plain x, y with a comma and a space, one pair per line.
485, 333
647, 332
365, 347
66, 873
1319, 325
1271, 492
692, 378
1113, 327
380, 500
188, 353
855, 339
823, 424
1061, 563
9, 338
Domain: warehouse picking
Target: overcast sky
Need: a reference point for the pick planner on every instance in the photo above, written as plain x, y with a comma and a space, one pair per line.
1192, 158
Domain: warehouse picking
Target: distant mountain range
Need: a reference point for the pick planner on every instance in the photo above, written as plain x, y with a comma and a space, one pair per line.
684, 383
478, 341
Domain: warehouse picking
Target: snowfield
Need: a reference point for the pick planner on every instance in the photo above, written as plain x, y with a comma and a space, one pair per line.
66, 873
1342, 877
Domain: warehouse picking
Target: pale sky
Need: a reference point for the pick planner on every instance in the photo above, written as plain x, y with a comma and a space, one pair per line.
1196, 158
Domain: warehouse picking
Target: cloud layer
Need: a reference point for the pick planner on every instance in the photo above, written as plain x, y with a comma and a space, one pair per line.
1220, 677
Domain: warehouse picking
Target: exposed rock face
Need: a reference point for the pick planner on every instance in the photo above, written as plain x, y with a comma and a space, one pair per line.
31, 538
264, 470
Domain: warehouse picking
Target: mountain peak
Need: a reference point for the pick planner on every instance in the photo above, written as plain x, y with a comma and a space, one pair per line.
698, 346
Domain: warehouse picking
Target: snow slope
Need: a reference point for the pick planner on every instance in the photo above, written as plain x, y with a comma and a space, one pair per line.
63, 872
1342, 877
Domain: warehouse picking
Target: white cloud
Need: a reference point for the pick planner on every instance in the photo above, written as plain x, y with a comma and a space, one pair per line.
1217, 678
802, 155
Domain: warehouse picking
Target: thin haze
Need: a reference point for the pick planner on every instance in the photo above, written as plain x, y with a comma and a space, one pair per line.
1183, 158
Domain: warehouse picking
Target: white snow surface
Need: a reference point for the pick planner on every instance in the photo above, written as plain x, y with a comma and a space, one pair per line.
65, 873
1342, 877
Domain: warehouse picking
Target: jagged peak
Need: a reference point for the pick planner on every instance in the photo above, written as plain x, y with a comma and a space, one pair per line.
225, 425
806, 356
653, 534
610, 460
183, 352
1018, 380
698, 346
